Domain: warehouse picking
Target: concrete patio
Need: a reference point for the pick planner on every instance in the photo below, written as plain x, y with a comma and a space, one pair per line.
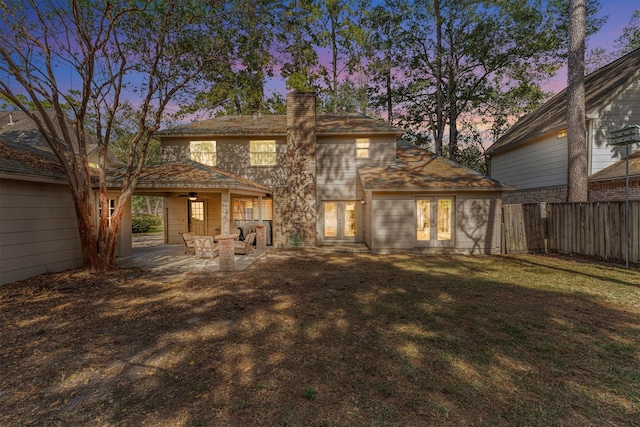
154, 257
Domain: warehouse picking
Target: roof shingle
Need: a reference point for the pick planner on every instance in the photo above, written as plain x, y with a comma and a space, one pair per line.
416, 169
276, 125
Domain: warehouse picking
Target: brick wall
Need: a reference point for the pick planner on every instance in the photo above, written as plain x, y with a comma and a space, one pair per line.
556, 194
598, 192
613, 191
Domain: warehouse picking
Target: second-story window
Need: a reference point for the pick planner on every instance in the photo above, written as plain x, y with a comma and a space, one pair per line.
262, 153
203, 152
362, 148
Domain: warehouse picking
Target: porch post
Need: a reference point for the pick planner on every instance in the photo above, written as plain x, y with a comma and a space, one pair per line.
261, 238
225, 215
226, 251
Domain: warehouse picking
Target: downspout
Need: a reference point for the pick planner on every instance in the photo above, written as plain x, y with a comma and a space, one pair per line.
590, 119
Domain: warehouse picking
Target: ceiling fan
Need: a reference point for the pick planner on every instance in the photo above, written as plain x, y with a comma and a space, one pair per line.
192, 195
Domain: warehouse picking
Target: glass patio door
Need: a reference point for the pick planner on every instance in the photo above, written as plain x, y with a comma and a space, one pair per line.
340, 221
434, 221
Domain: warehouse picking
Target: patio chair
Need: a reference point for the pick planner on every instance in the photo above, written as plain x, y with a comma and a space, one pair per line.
205, 247
244, 247
188, 242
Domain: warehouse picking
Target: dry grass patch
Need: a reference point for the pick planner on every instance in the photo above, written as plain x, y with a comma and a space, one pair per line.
310, 338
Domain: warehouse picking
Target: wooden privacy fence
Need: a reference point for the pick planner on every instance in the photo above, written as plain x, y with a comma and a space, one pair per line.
594, 229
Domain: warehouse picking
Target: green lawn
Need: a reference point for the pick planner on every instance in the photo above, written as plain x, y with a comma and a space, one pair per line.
309, 338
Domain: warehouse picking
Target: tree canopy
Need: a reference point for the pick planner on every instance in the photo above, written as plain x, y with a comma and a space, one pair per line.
75, 66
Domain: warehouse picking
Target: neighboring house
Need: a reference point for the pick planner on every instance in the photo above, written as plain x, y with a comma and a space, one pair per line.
532, 155
320, 180
38, 226
610, 183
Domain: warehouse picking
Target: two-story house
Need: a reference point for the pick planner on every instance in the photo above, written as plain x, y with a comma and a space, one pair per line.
533, 155
318, 180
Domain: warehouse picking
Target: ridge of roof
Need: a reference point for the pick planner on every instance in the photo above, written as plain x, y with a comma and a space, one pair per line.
600, 86
276, 125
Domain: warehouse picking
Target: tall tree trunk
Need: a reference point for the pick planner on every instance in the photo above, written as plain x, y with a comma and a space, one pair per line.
439, 130
388, 82
577, 186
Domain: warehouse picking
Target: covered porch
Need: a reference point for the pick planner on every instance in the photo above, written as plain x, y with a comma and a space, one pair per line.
203, 200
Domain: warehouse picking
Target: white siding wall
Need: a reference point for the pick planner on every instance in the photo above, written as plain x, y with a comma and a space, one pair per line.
38, 230
623, 111
539, 164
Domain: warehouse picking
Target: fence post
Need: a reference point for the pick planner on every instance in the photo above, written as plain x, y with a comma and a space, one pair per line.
544, 215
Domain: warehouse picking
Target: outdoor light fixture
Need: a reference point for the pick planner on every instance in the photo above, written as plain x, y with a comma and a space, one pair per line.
192, 196
626, 136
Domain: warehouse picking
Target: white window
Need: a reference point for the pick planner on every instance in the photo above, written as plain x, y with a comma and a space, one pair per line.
262, 153
362, 148
203, 152
112, 207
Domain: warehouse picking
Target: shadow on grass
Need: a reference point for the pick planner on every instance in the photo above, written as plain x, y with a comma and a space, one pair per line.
590, 269
307, 338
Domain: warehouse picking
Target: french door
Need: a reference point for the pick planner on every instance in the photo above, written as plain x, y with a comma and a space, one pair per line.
340, 221
434, 221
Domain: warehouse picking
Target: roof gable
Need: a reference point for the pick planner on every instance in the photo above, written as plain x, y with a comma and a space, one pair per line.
600, 87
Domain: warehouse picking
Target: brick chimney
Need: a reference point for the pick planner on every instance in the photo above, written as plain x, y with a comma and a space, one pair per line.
295, 205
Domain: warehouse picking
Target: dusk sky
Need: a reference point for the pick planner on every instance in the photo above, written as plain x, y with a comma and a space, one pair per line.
619, 13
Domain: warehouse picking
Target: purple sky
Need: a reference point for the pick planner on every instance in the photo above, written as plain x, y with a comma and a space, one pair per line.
619, 13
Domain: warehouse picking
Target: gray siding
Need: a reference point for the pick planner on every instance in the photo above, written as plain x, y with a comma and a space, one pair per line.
38, 230
477, 223
392, 222
336, 169
624, 110
337, 163
539, 164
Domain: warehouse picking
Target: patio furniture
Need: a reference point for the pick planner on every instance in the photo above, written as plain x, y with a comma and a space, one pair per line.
244, 247
205, 247
188, 242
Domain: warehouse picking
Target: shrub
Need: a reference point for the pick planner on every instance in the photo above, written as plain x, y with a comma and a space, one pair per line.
142, 222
